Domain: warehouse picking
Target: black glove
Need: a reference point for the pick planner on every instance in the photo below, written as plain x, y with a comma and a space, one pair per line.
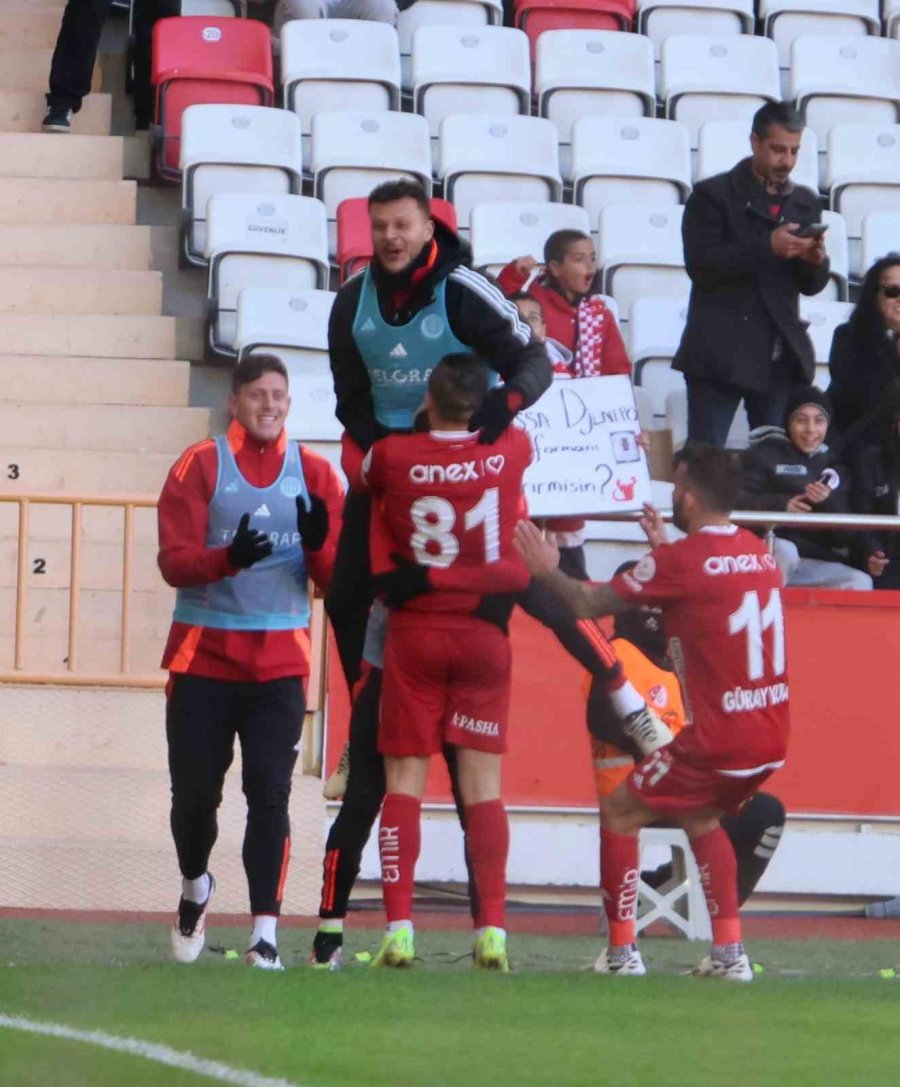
312, 523
402, 584
495, 413
248, 546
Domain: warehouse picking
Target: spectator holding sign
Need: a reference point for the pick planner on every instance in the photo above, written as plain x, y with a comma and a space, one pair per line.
752, 245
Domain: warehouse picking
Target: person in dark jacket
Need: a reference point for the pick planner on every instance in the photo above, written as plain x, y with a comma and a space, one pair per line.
793, 469
748, 263
390, 325
877, 490
865, 352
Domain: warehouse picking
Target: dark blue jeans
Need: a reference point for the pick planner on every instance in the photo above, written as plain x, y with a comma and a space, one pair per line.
712, 404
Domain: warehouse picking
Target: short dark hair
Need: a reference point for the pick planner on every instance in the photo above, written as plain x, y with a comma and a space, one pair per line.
524, 296
714, 474
557, 245
781, 114
252, 367
401, 188
457, 386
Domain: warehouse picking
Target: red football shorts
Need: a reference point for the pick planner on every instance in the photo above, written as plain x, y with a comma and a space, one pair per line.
446, 681
670, 783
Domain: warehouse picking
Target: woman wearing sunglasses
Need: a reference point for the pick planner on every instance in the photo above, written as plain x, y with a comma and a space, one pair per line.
865, 352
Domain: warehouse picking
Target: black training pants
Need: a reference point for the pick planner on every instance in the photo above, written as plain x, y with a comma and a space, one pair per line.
203, 716
350, 590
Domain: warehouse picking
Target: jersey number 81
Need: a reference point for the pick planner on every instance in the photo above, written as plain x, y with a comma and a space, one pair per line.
434, 543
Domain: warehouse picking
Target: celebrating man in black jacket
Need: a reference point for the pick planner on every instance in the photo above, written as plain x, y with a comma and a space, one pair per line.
390, 325
750, 253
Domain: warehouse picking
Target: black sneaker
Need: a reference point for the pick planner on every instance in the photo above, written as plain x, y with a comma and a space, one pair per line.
263, 956
327, 952
188, 934
58, 119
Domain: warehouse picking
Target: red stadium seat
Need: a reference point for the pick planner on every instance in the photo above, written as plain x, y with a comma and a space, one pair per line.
536, 16
205, 60
354, 240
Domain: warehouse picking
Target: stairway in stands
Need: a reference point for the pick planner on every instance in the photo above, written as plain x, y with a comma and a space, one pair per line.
92, 399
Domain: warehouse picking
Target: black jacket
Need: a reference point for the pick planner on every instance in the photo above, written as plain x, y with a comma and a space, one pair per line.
742, 295
859, 374
479, 315
774, 470
876, 490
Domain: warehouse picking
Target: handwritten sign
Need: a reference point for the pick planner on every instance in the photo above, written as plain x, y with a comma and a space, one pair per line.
586, 456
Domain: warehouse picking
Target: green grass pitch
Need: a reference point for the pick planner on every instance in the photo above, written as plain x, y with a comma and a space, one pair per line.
820, 1013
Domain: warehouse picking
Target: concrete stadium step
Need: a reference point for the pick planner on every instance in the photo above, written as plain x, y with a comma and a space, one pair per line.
148, 382
98, 655
47, 613
33, 154
99, 524
89, 291
98, 246
23, 111
91, 336
108, 427
64, 201
46, 471
100, 567
28, 26
29, 70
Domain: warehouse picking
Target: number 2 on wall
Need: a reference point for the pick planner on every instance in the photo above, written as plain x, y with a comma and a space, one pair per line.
756, 620
434, 520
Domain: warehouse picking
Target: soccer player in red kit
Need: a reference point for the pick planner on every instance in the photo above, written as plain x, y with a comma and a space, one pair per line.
450, 505
720, 593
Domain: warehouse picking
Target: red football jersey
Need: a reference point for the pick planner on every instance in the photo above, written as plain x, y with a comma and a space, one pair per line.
720, 592
448, 502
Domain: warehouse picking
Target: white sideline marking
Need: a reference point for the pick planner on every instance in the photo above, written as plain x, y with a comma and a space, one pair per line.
150, 1051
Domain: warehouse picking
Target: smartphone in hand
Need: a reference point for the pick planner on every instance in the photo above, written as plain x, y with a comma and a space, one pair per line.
811, 230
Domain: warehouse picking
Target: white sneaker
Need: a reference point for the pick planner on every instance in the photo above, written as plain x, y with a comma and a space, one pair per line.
632, 967
188, 934
336, 785
263, 956
647, 730
739, 970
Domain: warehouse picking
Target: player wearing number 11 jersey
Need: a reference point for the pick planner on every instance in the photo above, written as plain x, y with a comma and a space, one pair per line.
449, 505
720, 594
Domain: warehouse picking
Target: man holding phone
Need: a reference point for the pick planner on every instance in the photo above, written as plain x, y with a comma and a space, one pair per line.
753, 243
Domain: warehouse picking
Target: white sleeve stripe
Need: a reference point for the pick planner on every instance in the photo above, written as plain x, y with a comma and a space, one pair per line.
366, 467
494, 298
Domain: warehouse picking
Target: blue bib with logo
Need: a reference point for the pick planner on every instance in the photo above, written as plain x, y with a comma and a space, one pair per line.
400, 358
272, 594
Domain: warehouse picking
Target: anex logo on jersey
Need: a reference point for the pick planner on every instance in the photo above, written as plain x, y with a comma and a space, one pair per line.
464, 472
738, 564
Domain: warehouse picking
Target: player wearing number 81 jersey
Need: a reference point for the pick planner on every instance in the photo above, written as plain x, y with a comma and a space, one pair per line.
448, 506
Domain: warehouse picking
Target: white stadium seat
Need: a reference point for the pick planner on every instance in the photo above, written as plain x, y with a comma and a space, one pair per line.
880, 236
353, 151
221, 9
845, 80
823, 318
723, 144
470, 13
596, 73
483, 159
329, 64
260, 241
469, 70
502, 231
786, 20
660, 19
717, 78
294, 326
892, 18
863, 175
655, 326
640, 252
837, 247
232, 148
638, 160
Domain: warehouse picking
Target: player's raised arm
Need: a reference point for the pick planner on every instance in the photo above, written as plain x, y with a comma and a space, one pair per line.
542, 560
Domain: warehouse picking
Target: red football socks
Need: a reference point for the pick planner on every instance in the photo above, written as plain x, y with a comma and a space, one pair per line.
718, 874
399, 841
487, 837
619, 882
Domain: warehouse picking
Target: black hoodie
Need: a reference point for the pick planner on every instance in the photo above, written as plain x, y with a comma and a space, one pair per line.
479, 316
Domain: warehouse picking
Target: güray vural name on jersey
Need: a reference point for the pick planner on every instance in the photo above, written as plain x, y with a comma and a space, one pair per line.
461, 472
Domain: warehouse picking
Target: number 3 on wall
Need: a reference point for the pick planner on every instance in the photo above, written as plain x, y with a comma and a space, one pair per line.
434, 519
755, 620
